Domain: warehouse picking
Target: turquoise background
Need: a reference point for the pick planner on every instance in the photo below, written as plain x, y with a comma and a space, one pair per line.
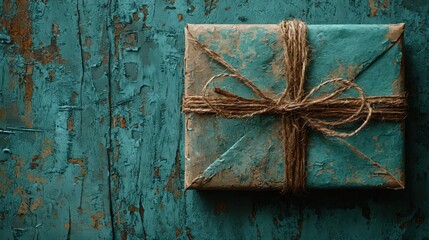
91, 131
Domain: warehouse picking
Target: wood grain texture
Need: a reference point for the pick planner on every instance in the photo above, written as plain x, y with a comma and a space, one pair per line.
91, 133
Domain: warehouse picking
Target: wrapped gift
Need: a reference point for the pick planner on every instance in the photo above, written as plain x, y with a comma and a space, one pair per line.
289, 106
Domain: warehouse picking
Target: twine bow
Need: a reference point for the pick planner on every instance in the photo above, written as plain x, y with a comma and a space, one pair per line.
298, 110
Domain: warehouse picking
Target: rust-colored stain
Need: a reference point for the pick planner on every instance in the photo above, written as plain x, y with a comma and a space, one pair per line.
47, 150
5, 180
143, 107
141, 210
327, 169
51, 75
115, 182
121, 30
350, 71
220, 207
209, 6
23, 208
95, 218
36, 179
19, 163
79, 162
189, 233
180, 17
353, 179
118, 28
130, 40
144, 10
116, 152
124, 235
70, 124
398, 85
395, 32
20, 192
19, 28
132, 208
36, 204
86, 56
2, 113
375, 5
73, 97
88, 41
173, 184
47, 54
119, 121
38, 159
28, 96
76, 161
136, 17
178, 232
119, 221
156, 172
12, 81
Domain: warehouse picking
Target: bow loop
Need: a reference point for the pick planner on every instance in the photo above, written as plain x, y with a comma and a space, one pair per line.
231, 113
326, 126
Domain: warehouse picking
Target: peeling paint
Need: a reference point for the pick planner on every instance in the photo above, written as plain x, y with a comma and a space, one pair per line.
210, 5
74, 173
376, 5
119, 121
96, 218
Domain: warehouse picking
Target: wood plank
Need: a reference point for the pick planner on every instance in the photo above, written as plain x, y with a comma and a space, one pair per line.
54, 103
146, 126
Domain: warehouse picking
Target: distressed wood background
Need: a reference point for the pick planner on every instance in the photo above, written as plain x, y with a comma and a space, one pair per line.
91, 134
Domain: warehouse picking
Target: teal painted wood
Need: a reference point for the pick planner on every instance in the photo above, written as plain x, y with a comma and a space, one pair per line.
55, 88
126, 151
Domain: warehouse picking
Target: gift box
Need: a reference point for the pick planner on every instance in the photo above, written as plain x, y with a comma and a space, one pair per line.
234, 141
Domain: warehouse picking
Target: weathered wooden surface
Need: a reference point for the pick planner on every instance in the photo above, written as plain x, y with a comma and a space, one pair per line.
91, 141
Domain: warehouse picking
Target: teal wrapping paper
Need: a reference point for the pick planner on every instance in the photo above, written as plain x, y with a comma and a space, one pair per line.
247, 153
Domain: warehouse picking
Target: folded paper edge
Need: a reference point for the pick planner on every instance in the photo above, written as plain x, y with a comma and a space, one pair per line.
391, 181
